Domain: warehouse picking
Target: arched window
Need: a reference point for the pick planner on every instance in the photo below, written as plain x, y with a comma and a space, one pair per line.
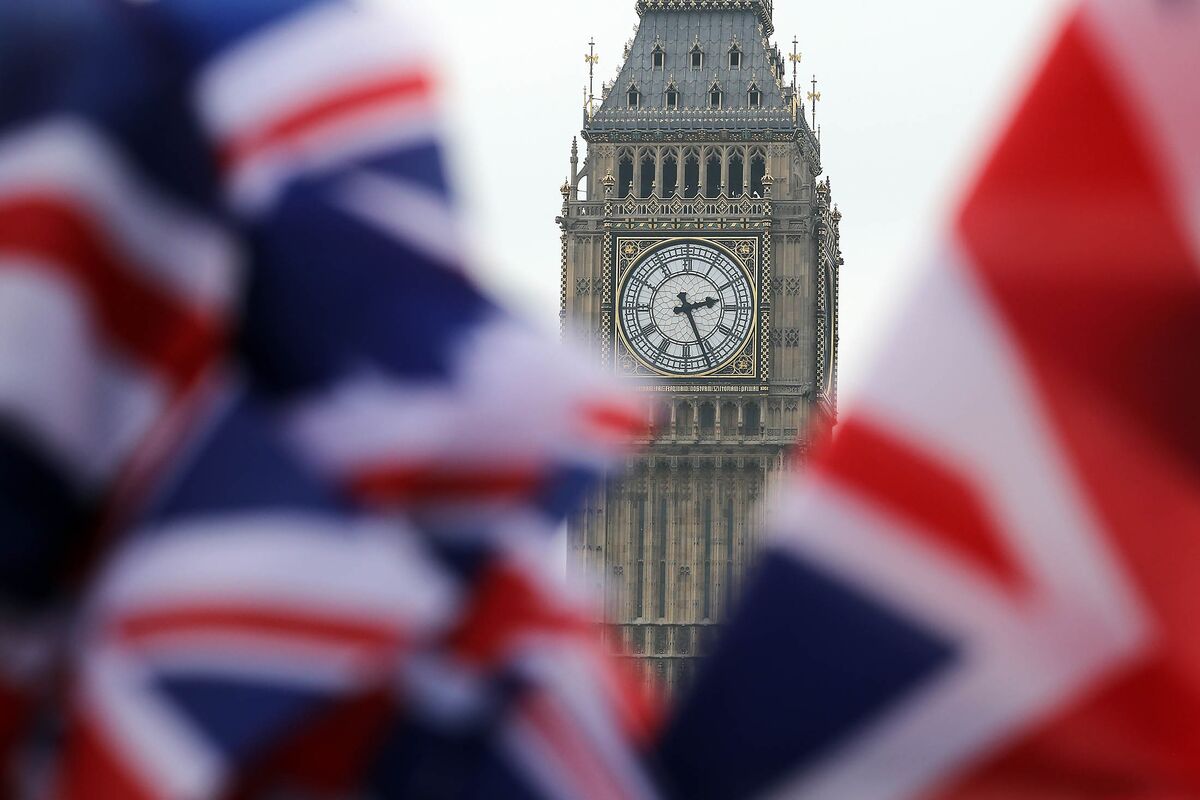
697, 58
715, 96
736, 175
672, 101
729, 419
659, 57
625, 175
708, 419
758, 169
753, 417
712, 177
691, 175
646, 185
683, 420
754, 100
662, 418
735, 57
634, 97
670, 170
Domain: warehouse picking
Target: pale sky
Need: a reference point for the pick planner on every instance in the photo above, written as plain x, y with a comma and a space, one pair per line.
912, 93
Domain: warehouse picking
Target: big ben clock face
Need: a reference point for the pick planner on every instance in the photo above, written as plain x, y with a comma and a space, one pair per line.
686, 308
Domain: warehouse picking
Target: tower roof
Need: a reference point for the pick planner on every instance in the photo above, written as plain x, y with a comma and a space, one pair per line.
677, 28
765, 9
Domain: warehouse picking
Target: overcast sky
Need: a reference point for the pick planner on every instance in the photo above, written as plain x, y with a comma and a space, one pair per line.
912, 91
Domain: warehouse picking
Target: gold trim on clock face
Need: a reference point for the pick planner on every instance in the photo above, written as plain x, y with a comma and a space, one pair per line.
686, 308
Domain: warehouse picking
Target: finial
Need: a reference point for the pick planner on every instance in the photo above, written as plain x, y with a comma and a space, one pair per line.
574, 145
814, 97
592, 59
767, 181
609, 181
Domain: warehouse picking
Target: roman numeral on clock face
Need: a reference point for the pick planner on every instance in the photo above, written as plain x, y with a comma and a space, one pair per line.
729, 307
665, 346
649, 329
725, 329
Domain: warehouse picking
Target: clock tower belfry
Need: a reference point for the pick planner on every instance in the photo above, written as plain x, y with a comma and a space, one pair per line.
700, 262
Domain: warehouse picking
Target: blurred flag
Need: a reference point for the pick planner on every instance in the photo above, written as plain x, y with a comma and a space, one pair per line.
301, 472
987, 586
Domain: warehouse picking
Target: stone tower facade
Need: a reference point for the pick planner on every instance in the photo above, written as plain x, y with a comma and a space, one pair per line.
700, 262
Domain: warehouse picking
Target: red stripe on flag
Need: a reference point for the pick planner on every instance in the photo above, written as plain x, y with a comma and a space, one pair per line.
326, 754
92, 770
617, 422
438, 484
141, 319
913, 485
504, 607
145, 627
410, 87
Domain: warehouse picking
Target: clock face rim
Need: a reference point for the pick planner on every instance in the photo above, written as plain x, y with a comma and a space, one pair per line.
739, 350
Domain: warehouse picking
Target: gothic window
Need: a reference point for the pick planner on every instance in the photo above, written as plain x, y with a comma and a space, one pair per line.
670, 168
672, 96
646, 185
708, 419
706, 584
635, 97
625, 175
691, 174
662, 418
659, 57
660, 640
758, 170
735, 57
683, 640
729, 528
697, 58
729, 419
715, 95
712, 177
639, 549
660, 555
753, 418
736, 175
755, 98
683, 420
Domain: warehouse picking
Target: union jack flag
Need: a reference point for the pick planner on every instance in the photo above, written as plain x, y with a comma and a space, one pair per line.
300, 470
987, 586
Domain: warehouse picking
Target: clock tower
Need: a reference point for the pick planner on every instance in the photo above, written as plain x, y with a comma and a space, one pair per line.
700, 263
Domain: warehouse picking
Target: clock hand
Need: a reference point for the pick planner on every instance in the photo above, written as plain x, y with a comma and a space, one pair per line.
699, 339
687, 307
